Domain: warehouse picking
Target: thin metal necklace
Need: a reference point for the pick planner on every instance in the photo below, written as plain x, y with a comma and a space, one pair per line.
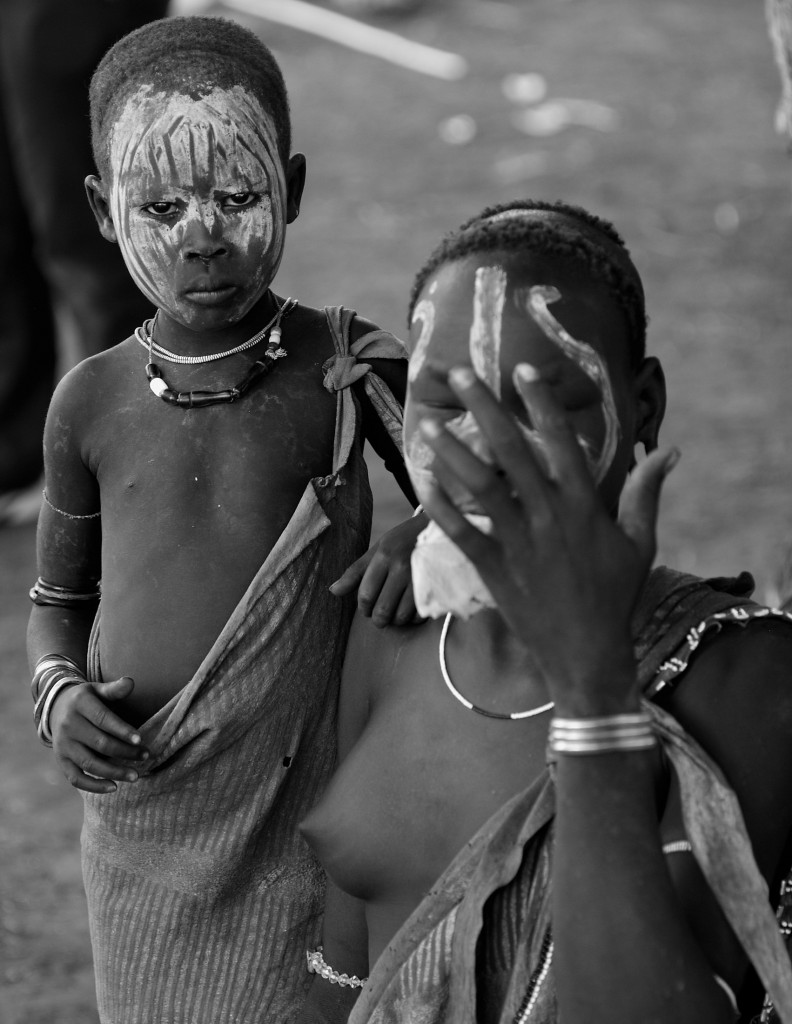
145, 335
513, 717
260, 368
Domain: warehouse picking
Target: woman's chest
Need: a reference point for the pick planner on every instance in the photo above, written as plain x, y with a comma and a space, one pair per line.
423, 778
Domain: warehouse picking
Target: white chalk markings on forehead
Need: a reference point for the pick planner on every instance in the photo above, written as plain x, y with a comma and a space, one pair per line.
535, 301
489, 297
166, 147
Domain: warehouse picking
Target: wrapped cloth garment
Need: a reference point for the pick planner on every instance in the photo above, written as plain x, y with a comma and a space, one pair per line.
488, 915
202, 895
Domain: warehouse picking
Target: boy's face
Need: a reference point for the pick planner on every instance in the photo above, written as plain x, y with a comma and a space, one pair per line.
198, 201
476, 312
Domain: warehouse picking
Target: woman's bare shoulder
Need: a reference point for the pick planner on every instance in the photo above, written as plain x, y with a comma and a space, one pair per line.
370, 665
736, 701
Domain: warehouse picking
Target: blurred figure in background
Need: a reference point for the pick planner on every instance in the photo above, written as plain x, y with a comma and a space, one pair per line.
51, 256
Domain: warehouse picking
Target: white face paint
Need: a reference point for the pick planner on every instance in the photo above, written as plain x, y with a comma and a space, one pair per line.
484, 344
535, 301
198, 201
489, 297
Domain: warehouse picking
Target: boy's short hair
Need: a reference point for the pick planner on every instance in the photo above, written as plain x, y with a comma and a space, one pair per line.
189, 53
568, 233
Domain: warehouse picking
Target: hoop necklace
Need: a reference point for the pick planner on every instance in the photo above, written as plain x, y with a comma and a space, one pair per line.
197, 399
513, 717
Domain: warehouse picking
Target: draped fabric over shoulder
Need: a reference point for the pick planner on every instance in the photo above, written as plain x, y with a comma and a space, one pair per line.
202, 895
488, 916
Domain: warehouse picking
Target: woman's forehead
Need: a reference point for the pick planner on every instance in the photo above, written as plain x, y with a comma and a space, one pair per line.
480, 304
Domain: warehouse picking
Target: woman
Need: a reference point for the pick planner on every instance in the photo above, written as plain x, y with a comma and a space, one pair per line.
627, 881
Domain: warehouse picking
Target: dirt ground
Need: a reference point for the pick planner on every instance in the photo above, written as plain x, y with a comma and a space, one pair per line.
696, 181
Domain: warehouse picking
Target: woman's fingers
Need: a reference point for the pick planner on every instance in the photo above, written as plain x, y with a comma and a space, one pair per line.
456, 463
513, 454
477, 546
566, 461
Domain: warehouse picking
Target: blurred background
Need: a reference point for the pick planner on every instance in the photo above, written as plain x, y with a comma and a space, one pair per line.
657, 115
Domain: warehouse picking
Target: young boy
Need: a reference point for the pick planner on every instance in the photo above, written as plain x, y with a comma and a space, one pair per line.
209, 471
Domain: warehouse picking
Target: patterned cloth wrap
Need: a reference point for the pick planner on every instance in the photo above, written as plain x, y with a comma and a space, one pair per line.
489, 913
202, 895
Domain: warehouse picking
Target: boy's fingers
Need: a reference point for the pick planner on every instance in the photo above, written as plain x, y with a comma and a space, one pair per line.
98, 714
371, 585
406, 612
567, 462
350, 579
88, 784
386, 608
84, 770
103, 743
641, 499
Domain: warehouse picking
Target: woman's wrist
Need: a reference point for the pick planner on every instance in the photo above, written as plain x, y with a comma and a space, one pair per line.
611, 688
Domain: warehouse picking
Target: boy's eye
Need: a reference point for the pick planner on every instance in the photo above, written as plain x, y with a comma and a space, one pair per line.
164, 209
239, 200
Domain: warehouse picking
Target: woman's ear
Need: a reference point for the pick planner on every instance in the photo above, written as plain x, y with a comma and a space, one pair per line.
649, 390
97, 200
295, 183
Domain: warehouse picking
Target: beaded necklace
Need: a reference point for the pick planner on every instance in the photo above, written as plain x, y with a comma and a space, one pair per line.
197, 399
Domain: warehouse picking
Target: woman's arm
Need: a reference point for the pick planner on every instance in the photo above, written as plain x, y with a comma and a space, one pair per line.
565, 577
367, 664
344, 949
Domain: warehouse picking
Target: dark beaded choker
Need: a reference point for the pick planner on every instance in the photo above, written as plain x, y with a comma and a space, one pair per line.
197, 399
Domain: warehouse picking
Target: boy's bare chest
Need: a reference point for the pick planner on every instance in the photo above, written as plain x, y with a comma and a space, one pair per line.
276, 436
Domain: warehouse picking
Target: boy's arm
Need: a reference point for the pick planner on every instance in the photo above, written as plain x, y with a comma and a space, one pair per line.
71, 714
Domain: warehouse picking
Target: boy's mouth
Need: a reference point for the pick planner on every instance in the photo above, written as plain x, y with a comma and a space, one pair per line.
210, 295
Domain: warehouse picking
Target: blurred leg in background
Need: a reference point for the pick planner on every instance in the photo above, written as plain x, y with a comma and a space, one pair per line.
52, 258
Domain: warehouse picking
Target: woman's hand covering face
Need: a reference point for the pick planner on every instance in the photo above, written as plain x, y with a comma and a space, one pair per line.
563, 573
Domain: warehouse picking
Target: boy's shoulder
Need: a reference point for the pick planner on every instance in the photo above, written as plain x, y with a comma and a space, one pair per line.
97, 379
314, 323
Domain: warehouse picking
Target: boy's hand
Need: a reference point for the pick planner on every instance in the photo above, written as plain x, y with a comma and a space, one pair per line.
382, 576
88, 739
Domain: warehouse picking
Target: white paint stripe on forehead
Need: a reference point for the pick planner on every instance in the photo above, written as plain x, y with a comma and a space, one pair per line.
535, 300
148, 113
425, 313
485, 332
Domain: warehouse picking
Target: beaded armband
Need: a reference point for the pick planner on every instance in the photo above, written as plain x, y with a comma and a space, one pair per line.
317, 965
69, 515
53, 673
45, 593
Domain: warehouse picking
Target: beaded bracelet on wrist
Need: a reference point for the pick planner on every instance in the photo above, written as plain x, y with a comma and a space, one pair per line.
317, 965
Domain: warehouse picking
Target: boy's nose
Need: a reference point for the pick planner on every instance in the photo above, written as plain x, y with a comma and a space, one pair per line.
200, 245
202, 240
